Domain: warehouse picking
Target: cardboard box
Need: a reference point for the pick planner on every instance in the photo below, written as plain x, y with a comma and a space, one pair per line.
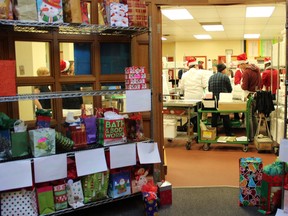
235, 105
209, 133
263, 143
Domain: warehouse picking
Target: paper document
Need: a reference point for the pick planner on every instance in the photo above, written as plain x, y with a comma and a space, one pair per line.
148, 153
122, 156
241, 138
283, 150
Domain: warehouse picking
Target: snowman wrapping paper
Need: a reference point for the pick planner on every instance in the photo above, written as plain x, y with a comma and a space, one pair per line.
50, 11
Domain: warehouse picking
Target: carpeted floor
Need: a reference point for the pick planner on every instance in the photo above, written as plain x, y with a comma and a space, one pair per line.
189, 201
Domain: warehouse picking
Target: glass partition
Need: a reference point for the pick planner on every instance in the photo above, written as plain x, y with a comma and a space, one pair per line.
77, 105
116, 101
30, 56
75, 59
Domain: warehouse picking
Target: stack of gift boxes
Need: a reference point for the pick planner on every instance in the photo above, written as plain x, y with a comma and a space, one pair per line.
135, 78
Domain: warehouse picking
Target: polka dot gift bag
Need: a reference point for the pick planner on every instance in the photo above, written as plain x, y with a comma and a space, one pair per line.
18, 203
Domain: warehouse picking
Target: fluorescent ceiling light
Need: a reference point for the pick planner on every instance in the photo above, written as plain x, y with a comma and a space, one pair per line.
213, 27
202, 37
259, 11
177, 14
163, 38
251, 36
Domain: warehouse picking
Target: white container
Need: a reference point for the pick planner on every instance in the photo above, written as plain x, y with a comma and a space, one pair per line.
170, 128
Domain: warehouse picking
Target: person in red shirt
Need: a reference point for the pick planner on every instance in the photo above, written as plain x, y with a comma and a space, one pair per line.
270, 83
242, 62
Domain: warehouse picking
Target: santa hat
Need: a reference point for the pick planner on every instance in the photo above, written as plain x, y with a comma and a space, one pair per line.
53, 3
242, 58
192, 61
64, 65
267, 60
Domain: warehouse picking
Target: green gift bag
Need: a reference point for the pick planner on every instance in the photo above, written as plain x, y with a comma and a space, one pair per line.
95, 186
20, 144
45, 200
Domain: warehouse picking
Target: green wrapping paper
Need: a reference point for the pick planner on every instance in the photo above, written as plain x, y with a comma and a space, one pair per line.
20, 144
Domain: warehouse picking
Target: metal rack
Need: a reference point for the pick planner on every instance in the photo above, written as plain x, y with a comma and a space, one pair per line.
71, 28
67, 94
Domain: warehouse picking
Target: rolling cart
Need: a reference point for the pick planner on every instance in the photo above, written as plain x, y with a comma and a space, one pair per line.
241, 140
180, 108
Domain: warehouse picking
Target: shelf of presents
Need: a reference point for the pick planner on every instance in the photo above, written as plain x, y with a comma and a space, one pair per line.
100, 158
72, 17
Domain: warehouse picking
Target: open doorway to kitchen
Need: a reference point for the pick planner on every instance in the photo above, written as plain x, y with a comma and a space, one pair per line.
218, 165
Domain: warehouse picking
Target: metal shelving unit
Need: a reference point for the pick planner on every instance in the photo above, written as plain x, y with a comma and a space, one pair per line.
53, 95
71, 28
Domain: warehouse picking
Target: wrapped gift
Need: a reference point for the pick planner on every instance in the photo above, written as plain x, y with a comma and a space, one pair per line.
8, 70
60, 196
5, 144
95, 186
50, 11
271, 188
91, 129
251, 170
4, 9
118, 14
111, 131
26, 10
75, 194
134, 127
165, 193
43, 118
72, 11
149, 193
27, 198
119, 183
45, 200
137, 13
141, 174
42, 141
20, 146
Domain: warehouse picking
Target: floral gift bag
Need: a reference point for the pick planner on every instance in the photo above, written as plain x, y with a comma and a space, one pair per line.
26, 199
42, 141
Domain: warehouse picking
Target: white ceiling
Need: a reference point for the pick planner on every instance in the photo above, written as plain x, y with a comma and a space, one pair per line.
233, 19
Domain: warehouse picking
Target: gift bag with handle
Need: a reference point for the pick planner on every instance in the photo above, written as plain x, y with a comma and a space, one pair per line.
75, 194
45, 200
19, 139
90, 127
42, 141
27, 198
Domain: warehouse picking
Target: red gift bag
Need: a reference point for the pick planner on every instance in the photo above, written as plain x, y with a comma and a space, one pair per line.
8, 85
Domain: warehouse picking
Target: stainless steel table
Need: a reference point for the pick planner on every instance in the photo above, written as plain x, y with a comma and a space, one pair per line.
188, 106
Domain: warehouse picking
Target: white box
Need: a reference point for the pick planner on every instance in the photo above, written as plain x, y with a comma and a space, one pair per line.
170, 128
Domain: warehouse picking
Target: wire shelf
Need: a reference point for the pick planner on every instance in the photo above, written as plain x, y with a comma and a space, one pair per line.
72, 28
53, 95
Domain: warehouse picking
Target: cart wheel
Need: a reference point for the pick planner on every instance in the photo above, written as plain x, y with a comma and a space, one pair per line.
206, 146
170, 140
245, 148
188, 145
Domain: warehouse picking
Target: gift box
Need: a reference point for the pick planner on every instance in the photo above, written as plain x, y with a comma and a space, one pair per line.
111, 132
50, 11
42, 142
140, 175
119, 183
165, 193
271, 188
118, 14
251, 171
